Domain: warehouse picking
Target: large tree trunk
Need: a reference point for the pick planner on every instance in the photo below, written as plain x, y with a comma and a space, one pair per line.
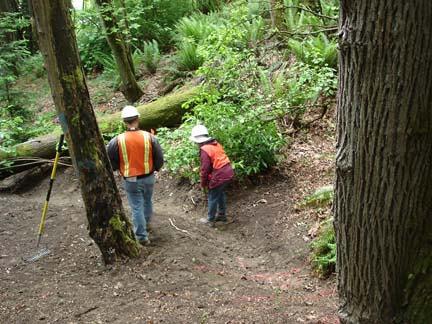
109, 227
122, 55
164, 112
384, 162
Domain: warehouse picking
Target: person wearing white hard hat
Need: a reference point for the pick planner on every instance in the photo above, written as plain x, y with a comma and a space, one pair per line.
216, 172
137, 154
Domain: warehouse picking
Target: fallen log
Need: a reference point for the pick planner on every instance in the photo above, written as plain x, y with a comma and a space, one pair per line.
164, 112
18, 181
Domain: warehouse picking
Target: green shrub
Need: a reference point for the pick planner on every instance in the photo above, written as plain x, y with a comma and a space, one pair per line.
12, 131
323, 254
181, 155
228, 106
91, 41
34, 66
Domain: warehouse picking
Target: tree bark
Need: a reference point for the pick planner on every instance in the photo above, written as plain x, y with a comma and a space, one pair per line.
383, 198
122, 55
164, 112
277, 11
108, 225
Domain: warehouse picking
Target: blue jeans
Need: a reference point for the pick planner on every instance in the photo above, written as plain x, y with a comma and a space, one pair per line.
139, 195
216, 202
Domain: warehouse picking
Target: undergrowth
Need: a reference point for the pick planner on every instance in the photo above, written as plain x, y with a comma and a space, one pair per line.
323, 256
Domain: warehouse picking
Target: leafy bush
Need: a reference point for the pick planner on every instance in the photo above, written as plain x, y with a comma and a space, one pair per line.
12, 131
182, 155
323, 254
34, 66
15, 130
91, 41
228, 106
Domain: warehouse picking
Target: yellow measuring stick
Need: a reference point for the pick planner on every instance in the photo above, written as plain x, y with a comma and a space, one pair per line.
53, 174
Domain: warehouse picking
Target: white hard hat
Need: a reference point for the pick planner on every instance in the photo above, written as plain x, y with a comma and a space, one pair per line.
129, 112
199, 134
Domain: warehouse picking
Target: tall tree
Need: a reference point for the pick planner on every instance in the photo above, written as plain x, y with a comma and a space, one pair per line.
120, 50
109, 226
383, 199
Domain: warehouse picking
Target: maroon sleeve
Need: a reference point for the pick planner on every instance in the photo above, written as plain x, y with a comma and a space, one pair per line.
206, 168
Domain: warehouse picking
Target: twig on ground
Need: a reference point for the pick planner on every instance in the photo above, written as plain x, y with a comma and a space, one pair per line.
178, 229
86, 311
193, 201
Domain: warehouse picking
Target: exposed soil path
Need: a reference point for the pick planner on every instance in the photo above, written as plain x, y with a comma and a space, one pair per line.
252, 270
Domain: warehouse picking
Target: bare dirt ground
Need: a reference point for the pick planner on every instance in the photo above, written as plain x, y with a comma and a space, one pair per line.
253, 270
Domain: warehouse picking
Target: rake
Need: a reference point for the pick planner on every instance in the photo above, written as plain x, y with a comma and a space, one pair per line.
45, 250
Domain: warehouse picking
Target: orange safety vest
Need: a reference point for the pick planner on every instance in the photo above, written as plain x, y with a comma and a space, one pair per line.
216, 154
135, 150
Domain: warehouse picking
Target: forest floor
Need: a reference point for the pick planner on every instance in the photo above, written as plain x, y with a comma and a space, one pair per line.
255, 269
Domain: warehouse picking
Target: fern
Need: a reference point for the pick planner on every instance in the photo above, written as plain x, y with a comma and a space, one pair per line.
188, 58
110, 71
322, 196
323, 255
151, 55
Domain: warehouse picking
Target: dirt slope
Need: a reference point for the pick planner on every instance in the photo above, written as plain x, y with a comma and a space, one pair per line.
253, 270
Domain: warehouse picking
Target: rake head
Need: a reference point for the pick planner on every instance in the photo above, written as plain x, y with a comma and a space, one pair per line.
37, 256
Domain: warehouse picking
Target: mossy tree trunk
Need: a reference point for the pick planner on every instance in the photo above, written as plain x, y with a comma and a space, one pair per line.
120, 50
108, 224
383, 196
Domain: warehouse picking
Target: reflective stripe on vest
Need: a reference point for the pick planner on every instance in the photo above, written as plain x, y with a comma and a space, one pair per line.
216, 154
135, 150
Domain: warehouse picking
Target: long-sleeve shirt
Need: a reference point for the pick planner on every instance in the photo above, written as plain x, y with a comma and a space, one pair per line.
211, 177
114, 156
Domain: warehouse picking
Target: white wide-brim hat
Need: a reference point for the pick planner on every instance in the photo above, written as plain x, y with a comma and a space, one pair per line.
199, 139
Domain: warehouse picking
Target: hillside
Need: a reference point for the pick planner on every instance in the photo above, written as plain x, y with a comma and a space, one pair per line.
255, 269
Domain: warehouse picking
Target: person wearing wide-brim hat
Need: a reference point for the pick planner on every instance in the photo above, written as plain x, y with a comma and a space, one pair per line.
216, 172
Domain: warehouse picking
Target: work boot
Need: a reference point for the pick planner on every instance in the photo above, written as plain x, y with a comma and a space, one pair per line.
221, 218
206, 222
145, 242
